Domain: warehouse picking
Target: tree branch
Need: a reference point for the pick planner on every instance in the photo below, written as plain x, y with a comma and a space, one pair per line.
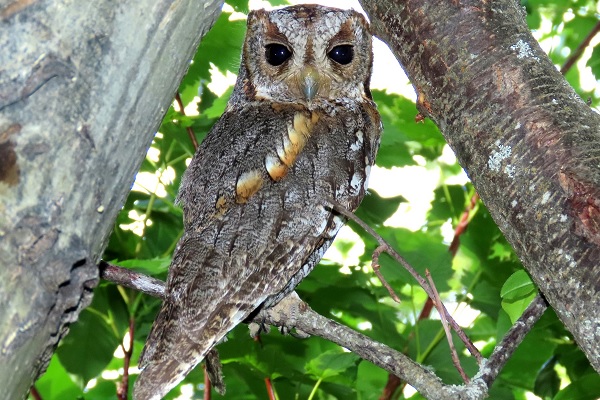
292, 312
580, 49
528, 142
420, 280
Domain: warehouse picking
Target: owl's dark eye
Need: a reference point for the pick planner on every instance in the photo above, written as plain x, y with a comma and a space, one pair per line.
276, 54
342, 54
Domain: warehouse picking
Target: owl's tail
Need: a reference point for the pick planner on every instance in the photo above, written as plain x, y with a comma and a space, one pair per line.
160, 376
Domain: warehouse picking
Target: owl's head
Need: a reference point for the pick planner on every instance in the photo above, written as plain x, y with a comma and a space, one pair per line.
307, 55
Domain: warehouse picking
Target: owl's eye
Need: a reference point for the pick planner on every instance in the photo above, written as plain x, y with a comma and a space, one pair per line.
342, 54
276, 54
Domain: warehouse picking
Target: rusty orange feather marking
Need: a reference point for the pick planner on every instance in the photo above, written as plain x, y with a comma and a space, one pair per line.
247, 185
298, 133
275, 168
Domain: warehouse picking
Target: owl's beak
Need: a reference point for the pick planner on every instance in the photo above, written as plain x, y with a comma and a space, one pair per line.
309, 82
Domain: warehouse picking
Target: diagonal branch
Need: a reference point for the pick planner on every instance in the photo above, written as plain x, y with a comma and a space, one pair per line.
307, 320
424, 284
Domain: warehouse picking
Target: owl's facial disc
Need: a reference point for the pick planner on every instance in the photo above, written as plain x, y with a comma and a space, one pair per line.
308, 55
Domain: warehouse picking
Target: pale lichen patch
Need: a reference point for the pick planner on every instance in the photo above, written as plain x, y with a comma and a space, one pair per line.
523, 50
498, 156
545, 197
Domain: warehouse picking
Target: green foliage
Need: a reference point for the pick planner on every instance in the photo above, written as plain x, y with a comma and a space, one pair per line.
517, 292
484, 275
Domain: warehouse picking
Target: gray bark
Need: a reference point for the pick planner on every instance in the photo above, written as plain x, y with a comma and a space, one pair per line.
528, 142
83, 88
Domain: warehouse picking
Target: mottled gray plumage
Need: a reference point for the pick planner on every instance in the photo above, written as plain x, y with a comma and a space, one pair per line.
255, 196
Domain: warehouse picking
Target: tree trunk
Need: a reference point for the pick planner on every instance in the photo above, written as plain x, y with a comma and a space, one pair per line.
83, 88
528, 142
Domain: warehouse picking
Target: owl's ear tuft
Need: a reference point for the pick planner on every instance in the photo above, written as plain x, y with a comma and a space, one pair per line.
255, 15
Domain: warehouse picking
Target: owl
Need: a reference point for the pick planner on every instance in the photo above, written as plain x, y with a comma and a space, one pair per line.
299, 130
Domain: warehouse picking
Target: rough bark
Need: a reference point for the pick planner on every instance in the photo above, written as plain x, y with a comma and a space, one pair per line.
83, 87
530, 145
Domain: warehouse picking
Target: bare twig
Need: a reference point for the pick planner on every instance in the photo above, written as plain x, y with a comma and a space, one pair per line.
123, 387
462, 225
189, 129
376, 269
422, 282
131, 279
438, 303
270, 390
505, 349
206, 385
393, 383
14, 7
34, 393
580, 49
379, 354
391, 386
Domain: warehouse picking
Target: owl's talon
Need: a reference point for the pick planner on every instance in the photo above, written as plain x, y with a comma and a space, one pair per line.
283, 315
298, 334
256, 328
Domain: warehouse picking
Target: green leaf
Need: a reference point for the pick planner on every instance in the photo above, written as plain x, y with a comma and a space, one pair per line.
222, 47
375, 210
449, 202
239, 5
517, 286
594, 62
88, 348
402, 136
56, 383
517, 293
422, 250
334, 366
586, 388
153, 266
547, 382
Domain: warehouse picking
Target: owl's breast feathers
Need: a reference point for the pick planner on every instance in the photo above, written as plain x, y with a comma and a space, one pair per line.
257, 219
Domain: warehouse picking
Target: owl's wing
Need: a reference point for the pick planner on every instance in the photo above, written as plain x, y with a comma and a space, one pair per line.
228, 261
244, 242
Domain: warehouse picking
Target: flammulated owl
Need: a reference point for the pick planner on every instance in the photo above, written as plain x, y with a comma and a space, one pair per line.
299, 130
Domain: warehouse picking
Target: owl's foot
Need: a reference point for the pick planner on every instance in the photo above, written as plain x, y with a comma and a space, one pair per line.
283, 315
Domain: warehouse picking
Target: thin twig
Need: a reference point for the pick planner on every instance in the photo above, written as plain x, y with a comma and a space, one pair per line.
189, 129
207, 385
376, 269
580, 49
422, 282
462, 225
34, 393
123, 387
438, 303
270, 390
515, 335
393, 384
131, 279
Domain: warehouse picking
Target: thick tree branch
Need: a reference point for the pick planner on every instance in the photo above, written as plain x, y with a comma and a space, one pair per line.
527, 141
82, 92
